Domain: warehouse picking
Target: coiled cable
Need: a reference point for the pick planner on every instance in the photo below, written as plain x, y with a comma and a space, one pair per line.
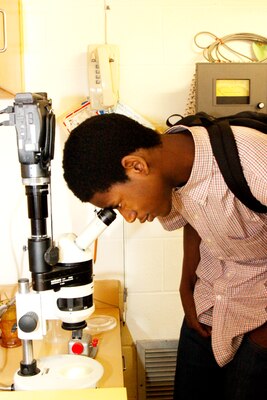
213, 52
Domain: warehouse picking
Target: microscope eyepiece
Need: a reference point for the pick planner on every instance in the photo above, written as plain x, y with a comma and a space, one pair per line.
106, 215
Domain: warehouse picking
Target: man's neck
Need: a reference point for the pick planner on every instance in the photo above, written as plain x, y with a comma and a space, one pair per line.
178, 153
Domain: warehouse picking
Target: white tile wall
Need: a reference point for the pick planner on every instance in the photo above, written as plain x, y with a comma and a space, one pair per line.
154, 315
157, 59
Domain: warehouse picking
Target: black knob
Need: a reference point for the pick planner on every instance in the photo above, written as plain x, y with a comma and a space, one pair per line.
28, 322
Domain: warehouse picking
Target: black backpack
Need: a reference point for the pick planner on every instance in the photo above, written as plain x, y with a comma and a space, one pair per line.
225, 150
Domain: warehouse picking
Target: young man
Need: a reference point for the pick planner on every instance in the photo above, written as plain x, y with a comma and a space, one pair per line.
113, 161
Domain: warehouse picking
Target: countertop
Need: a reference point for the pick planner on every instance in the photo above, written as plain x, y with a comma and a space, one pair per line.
109, 355
84, 394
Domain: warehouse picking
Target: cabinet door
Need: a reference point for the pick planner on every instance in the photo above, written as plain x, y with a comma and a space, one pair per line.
11, 67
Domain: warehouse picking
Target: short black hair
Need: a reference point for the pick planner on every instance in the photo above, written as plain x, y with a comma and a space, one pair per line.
93, 152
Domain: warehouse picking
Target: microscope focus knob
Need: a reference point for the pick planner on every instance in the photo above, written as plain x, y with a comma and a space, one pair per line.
28, 322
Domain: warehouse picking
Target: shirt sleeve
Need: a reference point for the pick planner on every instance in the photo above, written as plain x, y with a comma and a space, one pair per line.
252, 147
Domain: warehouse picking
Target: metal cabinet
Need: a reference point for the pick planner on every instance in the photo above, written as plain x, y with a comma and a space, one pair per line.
229, 88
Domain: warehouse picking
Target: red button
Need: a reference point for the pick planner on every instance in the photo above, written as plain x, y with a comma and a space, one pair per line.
77, 348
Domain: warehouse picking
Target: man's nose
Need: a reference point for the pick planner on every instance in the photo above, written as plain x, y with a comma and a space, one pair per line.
128, 215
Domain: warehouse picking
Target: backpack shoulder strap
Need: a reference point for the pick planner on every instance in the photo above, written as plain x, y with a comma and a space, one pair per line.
198, 119
226, 154
250, 119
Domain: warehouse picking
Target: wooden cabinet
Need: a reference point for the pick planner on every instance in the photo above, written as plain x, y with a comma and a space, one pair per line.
11, 60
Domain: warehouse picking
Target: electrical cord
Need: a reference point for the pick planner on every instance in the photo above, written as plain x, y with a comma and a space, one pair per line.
213, 52
4, 123
7, 110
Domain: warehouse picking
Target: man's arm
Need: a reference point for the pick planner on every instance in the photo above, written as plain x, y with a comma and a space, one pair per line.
188, 280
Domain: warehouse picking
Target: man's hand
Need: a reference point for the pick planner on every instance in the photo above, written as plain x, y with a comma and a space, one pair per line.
190, 263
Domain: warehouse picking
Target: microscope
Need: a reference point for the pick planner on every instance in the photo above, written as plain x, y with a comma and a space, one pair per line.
61, 275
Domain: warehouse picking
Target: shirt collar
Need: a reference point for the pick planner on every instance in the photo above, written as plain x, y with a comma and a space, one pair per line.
197, 186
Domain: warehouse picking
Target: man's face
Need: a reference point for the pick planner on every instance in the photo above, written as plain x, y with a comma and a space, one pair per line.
142, 197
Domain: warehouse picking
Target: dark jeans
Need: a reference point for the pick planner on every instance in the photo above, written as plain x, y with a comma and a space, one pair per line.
199, 376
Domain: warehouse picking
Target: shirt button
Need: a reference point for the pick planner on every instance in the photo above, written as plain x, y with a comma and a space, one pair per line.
218, 297
209, 240
220, 258
230, 273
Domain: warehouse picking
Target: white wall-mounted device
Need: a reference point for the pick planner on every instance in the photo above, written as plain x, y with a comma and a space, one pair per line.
103, 76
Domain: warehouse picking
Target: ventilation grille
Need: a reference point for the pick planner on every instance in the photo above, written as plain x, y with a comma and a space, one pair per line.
156, 363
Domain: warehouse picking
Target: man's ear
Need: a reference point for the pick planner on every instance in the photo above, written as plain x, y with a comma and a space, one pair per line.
135, 165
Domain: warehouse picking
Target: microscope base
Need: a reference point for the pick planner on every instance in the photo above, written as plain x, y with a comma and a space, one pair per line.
64, 371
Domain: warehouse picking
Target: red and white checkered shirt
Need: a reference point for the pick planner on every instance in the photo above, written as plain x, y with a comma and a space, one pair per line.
231, 290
